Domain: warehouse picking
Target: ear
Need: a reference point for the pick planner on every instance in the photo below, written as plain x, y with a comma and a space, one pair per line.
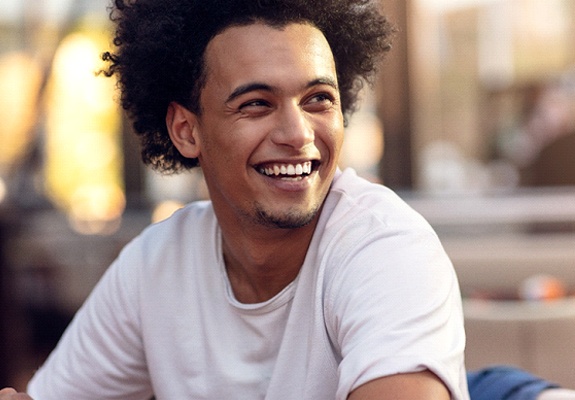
183, 128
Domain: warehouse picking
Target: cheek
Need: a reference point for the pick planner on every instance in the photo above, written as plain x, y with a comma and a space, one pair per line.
217, 143
335, 136
228, 151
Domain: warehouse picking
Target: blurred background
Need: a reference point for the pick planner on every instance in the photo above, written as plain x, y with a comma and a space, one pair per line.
471, 120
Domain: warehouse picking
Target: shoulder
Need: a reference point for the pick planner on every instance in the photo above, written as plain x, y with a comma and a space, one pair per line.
168, 254
356, 209
194, 217
186, 228
372, 237
354, 196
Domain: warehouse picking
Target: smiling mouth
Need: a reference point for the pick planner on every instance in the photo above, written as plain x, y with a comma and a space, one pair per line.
288, 171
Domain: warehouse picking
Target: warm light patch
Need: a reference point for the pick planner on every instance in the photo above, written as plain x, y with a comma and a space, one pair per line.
84, 162
20, 79
3, 190
165, 209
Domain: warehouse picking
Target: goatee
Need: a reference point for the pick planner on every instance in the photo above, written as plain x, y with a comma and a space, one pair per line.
290, 219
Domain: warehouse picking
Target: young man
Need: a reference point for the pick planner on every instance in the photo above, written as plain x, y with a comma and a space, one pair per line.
296, 280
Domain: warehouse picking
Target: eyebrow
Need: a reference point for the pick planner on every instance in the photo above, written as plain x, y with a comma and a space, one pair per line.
255, 86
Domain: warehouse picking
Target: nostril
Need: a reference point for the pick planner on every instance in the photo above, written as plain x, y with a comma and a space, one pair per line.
293, 129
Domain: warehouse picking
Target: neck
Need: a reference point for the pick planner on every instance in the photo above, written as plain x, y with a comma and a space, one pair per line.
262, 261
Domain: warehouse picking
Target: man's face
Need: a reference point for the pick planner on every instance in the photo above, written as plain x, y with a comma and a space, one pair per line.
271, 127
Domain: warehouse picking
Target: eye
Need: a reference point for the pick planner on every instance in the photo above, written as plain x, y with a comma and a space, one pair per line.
254, 104
320, 102
254, 108
322, 97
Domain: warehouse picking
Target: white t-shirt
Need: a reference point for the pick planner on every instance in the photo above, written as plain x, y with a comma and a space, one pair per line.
375, 296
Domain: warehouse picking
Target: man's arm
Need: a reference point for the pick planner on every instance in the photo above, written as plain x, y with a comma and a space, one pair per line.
413, 386
11, 394
557, 394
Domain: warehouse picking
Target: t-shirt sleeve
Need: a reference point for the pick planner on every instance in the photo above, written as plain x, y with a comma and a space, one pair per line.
394, 306
101, 354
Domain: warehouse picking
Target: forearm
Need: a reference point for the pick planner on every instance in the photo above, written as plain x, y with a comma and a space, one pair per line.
557, 394
11, 394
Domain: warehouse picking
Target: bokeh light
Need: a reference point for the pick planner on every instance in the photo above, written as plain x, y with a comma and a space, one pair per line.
84, 161
20, 79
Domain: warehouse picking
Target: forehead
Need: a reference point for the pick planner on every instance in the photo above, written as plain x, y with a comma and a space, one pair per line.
259, 51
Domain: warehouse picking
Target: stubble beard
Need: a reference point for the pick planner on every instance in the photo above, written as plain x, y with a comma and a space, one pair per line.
290, 219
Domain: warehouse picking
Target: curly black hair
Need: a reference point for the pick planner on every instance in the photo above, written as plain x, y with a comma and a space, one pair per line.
160, 54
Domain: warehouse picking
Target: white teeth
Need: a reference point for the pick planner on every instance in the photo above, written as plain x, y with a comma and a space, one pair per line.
288, 169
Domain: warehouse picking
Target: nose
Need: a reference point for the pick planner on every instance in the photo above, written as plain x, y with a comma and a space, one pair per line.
293, 127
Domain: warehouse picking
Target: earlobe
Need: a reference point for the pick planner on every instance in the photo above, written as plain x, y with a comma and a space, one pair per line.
182, 126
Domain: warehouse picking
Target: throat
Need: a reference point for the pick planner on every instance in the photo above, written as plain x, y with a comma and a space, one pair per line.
262, 262
247, 293
257, 282
248, 290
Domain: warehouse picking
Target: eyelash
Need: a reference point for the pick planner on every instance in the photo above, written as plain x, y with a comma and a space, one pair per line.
321, 97
254, 103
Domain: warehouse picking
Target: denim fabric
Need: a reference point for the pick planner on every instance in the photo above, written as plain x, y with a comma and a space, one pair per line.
505, 383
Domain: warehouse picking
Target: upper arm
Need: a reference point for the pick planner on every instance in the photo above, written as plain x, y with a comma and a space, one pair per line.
100, 355
386, 319
412, 386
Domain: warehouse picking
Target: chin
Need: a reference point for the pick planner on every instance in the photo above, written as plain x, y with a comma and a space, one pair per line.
291, 219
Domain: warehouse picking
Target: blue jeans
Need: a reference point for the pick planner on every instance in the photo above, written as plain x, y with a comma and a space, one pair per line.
505, 383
